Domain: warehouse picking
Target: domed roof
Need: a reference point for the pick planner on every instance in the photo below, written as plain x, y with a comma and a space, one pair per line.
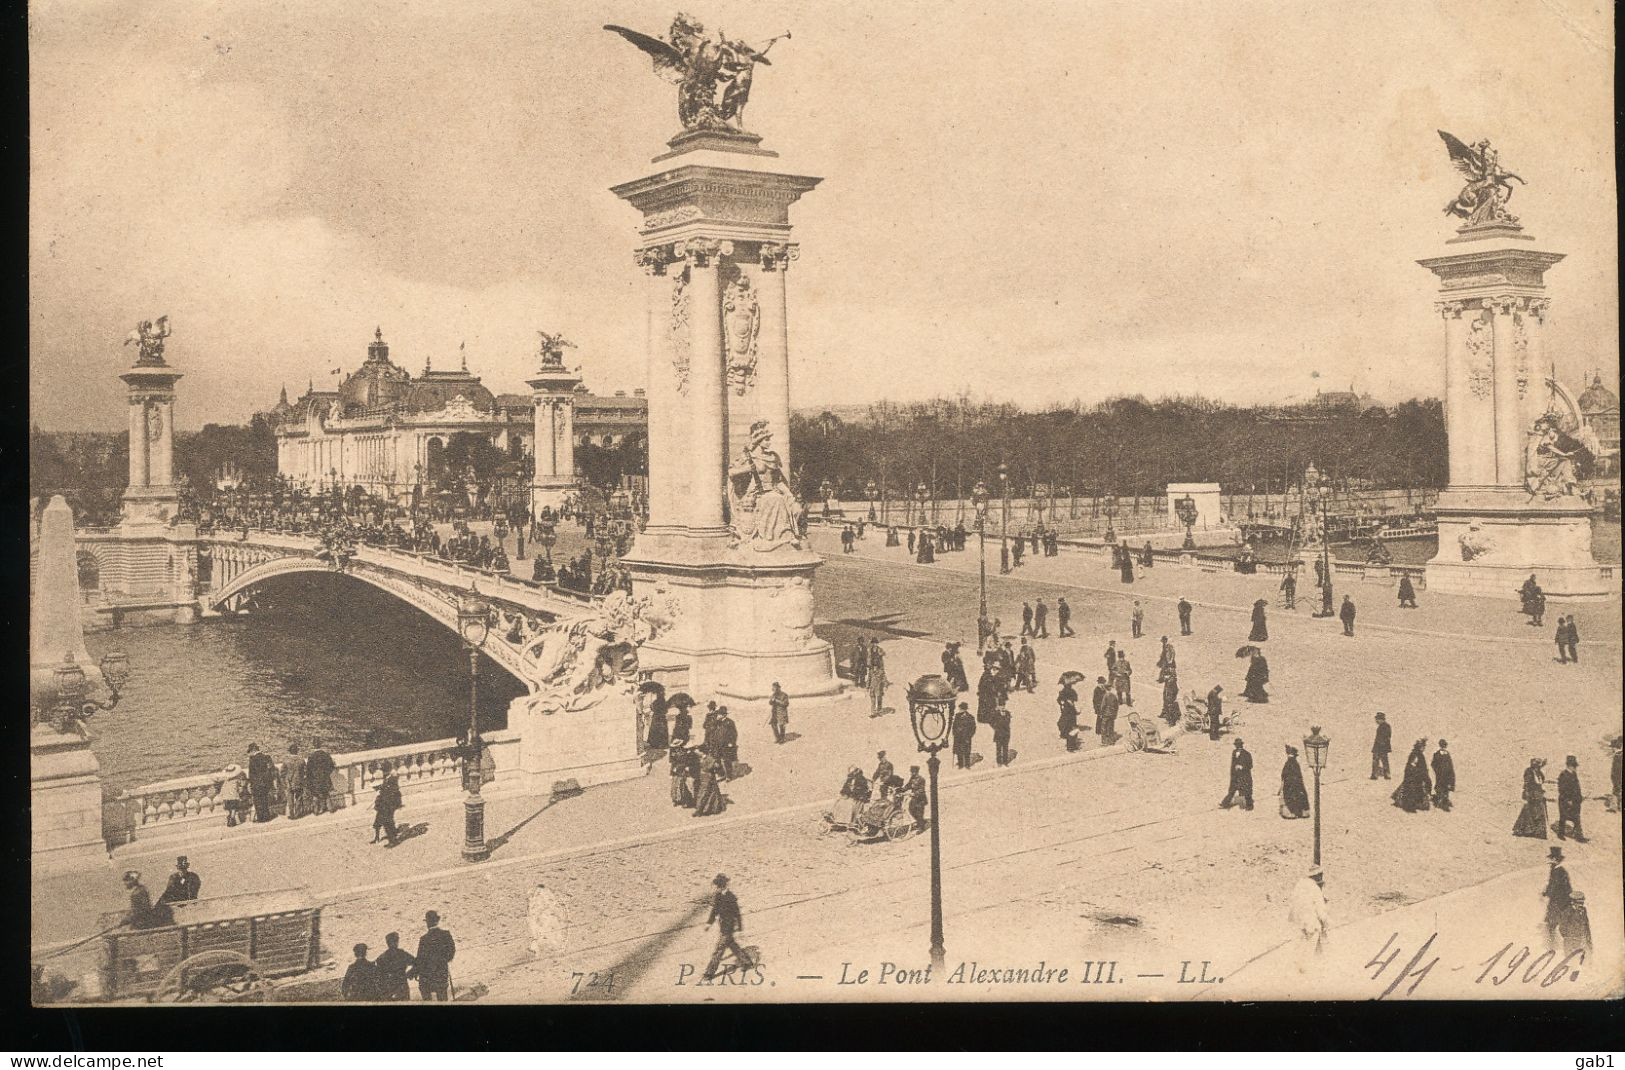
1598, 398
377, 382
434, 390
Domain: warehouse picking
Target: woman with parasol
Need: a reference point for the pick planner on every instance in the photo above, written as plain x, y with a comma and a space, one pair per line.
682, 723
1067, 723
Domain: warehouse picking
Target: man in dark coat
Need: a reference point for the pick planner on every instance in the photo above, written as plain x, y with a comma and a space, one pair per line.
1041, 620
1001, 735
1444, 776
183, 884
261, 779
432, 969
384, 805
914, 793
964, 732
726, 739
1109, 706
1381, 745
1294, 798
1170, 699
1067, 723
1559, 891
1568, 799
1407, 593
1026, 618
143, 914
1241, 779
989, 693
1063, 619
1415, 787
1184, 617
1289, 588
1346, 615
393, 966
1101, 690
319, 769
360, 984
726, 915
1167, 663
1111, 656
953, 667
1215, 711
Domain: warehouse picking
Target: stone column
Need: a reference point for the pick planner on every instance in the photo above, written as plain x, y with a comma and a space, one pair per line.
1531, 383
139, 470
163, 451
1455, 389
664, 387
1508, 428
773, 365
707, 424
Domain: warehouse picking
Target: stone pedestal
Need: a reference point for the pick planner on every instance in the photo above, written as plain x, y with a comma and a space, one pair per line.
715, 248
65, 802
1493, 531
152, 497
594, 746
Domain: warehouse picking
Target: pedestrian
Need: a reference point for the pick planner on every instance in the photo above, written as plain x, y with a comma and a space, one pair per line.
1001, 735
432, 963
1569, 798
1261, 630
1137, 620
1289, 589
1026, 668
1559, 894
860, 663
1614, 772
261, 779
989, 693
1041, 620
778, 704
964, 732
393, 966
1574, 641
143, 913
1067, 723
319, 770
1576, 926
384, 804
708, 797
1562, 639
1026, 618
360, 984
854, 793
678, 759
1101, 687
1184, 617
1415, 786
183, 884
1258, 674
1123, 680
1063, 618
1294, 797
1109, 706
910, 540
1146, 560
877, 679
1444, 776
914, 792
1241, 779
293, 783
682, 725
1382, 744
1215, 711
1111, 656
1532, 818
1407, 593
1309, 916
883, 769
727, 743
953, 667
1017, 549
1166, 664
1346, 614
725, 914
1170, 699
234, 795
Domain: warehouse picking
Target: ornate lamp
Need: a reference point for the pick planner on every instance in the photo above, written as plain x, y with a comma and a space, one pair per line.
978, 497
874, 495
474, 625
930, 709
922, 494
1315, 746
1185, 509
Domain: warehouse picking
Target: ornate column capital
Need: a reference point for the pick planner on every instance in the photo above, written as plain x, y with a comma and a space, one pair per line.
777, 256
1537, 307
1450, 310
1503, 304
701, 251
653, 259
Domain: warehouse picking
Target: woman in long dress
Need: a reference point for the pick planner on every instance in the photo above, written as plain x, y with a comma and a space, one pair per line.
1532, 820
1294, 798
1171, 711
1258, 674
708, 797
657, 738
1261, 630
1416, 787
1067, 723
679, 758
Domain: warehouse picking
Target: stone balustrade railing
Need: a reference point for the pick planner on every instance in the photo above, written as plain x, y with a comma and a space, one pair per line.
184, 803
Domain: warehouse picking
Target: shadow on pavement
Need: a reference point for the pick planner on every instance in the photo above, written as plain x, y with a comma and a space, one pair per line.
631, 968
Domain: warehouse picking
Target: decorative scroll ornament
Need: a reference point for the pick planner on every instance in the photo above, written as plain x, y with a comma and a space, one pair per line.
777, 256
701, 251
742, 324
1450, 309
1484, 199
1480, 354
149, 337
654, 259
680, 329
712, 73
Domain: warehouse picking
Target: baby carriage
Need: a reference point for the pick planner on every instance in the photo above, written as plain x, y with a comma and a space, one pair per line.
1196, 715
1150, 734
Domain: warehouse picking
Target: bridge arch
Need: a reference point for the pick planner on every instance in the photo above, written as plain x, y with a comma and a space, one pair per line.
437, 603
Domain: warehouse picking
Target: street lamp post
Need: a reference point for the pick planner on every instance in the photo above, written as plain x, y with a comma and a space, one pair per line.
1185, 508
978, 496
1109, 505
930, 708
874, 493
1004, 519
473, 625
922, 494
825, 491
1315, 746
1316, 485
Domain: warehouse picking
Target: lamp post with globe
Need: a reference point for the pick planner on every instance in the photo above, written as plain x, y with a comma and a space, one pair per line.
978, 497
873, 493
1004, 519
473, 624
930, 709
1315, 746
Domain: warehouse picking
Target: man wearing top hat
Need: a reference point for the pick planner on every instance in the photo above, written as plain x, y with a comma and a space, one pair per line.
1444, 776
183, 884
1558, 892
1568, 799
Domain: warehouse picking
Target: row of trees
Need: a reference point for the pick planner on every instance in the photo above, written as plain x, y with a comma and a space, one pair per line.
1124, 446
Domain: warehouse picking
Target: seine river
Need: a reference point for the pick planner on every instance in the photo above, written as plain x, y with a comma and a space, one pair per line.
333, 660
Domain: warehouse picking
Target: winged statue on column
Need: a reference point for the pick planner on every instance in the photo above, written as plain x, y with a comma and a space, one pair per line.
713, 73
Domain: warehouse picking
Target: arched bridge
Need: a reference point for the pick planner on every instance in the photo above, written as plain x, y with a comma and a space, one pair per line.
428, 584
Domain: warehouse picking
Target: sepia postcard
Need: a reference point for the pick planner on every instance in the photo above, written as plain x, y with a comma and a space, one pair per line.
757, 502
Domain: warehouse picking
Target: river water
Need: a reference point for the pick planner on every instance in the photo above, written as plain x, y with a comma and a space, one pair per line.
331, 659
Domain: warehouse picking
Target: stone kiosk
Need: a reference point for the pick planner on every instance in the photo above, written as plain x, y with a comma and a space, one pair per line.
722, 544
1512, 507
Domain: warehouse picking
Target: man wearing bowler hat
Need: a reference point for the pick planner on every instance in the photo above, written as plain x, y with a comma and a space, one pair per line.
725, 913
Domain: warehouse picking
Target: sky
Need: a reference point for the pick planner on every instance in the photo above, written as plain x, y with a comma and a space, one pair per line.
1030, 201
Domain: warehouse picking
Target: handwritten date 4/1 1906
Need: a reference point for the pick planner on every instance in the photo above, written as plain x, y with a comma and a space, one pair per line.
1403, 971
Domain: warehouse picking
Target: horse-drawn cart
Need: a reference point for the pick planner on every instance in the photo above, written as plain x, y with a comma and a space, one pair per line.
222, 949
